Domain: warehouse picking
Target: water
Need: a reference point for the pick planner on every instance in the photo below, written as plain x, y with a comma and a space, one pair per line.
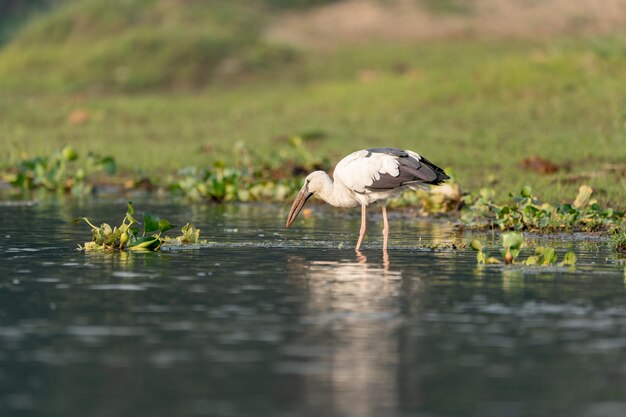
272, 322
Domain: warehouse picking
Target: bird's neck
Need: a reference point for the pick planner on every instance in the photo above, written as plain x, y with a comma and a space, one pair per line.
336, 194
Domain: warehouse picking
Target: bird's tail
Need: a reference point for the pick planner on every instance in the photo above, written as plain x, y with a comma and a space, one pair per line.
441, 176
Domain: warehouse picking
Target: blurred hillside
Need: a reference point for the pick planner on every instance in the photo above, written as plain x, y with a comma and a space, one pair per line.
136, 45
145, 45
419, 20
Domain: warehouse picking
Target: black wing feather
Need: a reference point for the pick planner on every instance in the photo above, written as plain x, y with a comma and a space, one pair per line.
412, 171
398, 153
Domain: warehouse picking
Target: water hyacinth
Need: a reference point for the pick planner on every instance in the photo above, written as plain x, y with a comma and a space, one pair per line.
106, 238
482, 256
223, 185
618, 239
512, 244
126, 236
63, 170
254, 175
526, 212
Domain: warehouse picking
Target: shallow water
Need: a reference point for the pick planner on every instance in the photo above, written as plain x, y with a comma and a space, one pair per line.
272, 322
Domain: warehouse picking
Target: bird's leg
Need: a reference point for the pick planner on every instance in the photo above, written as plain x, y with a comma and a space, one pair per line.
385, 229
363, 226
362, 259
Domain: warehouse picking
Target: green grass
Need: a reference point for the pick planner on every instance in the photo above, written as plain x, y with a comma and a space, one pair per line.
475, 108
137, 45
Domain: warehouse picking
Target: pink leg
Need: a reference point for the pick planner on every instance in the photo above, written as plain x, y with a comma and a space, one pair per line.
385, 229
363, 226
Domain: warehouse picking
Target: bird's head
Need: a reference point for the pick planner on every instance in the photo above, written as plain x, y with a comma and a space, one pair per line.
312, 184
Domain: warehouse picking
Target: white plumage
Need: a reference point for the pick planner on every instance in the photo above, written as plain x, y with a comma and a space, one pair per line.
367, 176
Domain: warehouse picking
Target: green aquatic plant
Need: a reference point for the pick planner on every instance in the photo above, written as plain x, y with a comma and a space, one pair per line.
452, 245
482, 256
225, 184
250, 175
126, 237
63, 170
512, 244
219, 184
107, 238
442, 199
618, 239
526, 212
547, 256
190, 236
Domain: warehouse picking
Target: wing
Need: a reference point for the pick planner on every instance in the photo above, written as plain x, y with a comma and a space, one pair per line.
378, 169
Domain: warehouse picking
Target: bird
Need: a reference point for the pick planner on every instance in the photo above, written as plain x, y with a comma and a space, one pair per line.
368, 176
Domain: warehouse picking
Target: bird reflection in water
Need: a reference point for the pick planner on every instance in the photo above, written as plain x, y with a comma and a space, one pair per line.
362, 259
350, 349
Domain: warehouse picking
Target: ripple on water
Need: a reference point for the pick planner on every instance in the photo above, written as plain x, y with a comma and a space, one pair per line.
129, 274
297, 318
118, 287
48, 280
17, 250
103, 331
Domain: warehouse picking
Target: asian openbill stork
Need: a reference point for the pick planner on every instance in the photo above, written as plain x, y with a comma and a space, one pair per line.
368, 176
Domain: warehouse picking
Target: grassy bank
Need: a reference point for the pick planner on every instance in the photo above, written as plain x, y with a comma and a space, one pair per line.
476, 108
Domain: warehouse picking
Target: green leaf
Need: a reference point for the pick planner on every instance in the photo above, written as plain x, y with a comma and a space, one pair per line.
69, 153
526, 191
481, 258
147, 243
165, 225
153, 223
150, 222
512, 240
549, 256
108, 165
569, 259
476, 245
86, 220
129, 215
532, 260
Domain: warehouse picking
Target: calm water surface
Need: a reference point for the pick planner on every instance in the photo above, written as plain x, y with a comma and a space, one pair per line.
269, 322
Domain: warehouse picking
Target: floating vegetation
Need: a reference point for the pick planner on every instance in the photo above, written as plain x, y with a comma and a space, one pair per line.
482, 256
63, 171
222, 184
526, 212
442, 199
190, 236
618, 240
126, 237
276, 177
254, 175
512, 244
454, 245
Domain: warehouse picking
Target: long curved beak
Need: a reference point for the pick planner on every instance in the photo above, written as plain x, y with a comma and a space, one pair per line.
297, 205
